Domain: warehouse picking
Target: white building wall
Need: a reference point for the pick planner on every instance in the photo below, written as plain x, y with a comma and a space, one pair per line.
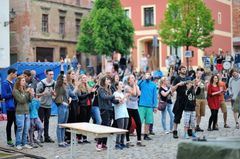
4, 34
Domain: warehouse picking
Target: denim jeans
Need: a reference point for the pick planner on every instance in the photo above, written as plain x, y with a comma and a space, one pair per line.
23, 124
63, 113
168, 109
95, 112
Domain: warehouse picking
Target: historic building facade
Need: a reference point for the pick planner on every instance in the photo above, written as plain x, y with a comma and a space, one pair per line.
45, 30
146, 16
236, 25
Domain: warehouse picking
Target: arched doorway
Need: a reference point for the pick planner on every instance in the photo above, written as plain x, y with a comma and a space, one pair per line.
150, 48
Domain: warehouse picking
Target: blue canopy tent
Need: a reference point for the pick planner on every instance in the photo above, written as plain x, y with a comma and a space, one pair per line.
40, 68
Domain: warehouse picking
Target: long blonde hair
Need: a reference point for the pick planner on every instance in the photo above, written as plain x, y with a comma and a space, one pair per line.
162, 80
83, 87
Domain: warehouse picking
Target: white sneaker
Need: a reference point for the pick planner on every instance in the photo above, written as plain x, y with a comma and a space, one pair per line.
19, 147
166, 132
27, 146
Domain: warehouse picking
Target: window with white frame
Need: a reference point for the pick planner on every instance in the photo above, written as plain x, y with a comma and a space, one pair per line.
148, 16
127, 12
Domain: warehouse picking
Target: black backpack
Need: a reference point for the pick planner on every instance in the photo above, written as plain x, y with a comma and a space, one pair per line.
45, 86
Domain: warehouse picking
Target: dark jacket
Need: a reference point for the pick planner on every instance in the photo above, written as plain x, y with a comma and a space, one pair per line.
104, 100
7, 89
85, 99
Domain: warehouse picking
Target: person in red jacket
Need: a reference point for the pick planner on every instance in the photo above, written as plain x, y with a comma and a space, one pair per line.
214, 92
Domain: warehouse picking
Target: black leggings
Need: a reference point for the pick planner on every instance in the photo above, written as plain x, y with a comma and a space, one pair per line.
74, 114
85, 114
11, 118
213, 118
133, 113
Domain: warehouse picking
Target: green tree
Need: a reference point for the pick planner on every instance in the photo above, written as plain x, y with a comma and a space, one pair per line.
187, 23
106, 29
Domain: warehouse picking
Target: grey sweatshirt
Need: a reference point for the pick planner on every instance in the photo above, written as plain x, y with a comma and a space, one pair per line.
234, 86
46, 100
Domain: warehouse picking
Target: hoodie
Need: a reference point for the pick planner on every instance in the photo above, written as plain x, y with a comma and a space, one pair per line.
148, 96
7, 88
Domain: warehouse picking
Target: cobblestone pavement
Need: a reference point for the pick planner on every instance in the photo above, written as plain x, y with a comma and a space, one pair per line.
163, 146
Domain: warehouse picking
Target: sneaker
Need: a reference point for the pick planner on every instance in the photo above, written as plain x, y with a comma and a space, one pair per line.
118, 147
199, 129
38, 143
194, 135
33, 145
186, 136
26, 146
166, 132
99, 147
49, 140
86, 142
139, 144
237, 125
10, 143
66, 144
152, 133
61, 145
209, 129
215, 129
104, 147
226, 126
175, 134
146, 137
19, 147
124, 146
129, 144
41, 140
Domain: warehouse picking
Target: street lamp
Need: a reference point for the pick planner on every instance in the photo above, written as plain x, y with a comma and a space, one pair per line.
12, 15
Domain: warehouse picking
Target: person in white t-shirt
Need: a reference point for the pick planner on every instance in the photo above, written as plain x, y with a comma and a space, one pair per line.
121, 114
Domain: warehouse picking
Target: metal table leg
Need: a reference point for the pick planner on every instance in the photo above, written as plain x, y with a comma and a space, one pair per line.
73, 144
109, 145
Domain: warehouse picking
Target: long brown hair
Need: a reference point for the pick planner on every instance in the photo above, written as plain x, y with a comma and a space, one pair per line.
69, 80
17, 85
102, 84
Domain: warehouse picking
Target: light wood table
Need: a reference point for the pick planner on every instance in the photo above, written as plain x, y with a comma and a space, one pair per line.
89, 129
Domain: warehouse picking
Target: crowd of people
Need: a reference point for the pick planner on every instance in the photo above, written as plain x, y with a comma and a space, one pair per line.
114, 100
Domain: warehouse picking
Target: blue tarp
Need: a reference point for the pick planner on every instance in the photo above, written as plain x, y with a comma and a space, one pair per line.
39, 67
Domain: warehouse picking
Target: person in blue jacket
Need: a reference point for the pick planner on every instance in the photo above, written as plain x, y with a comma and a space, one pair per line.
147, 102
7, 88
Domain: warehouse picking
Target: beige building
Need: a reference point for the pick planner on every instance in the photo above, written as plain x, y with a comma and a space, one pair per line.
45, 30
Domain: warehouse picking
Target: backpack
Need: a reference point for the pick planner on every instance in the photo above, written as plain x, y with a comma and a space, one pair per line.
45, 86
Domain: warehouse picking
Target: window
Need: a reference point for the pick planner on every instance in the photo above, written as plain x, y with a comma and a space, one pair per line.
127, 12
219, 18
63, 52
45, 23
148, 16
77, 26
62, 25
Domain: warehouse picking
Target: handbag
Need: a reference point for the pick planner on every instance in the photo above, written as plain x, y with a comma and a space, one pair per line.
162, 105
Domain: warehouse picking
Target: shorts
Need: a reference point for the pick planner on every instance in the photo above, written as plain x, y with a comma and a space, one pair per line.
223, 107
235, 105
200, 107
219, 67
146, 114
189, 119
